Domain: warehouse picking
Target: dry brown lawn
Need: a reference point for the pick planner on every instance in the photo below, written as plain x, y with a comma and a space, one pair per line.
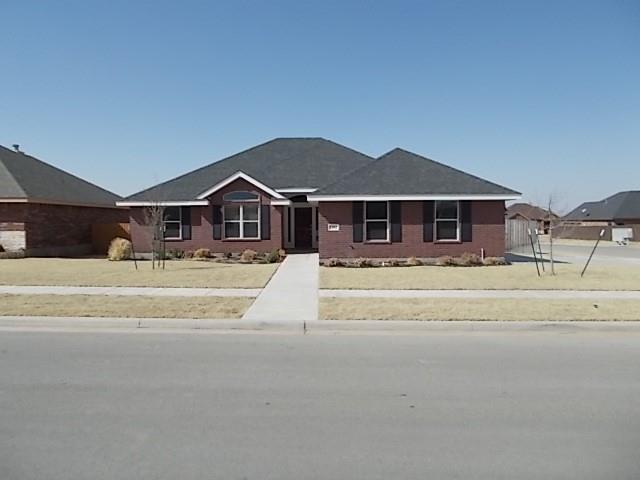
477, 309
124, 306
521, 276
99, 272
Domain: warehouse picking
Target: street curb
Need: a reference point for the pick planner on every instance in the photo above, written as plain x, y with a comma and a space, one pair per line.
316, 326
104, 323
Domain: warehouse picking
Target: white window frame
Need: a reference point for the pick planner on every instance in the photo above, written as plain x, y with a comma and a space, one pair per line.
164, 224
436, 220
241, 220
365, 221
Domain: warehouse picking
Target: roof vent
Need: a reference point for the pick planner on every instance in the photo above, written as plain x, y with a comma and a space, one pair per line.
16, 147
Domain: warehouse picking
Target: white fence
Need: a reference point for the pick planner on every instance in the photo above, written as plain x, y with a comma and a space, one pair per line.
517, 233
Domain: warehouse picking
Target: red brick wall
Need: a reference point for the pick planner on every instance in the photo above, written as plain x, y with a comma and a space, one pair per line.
202, 227
488, 233
12, 216
64, 225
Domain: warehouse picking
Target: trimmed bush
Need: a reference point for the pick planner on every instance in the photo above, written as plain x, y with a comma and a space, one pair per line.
119, 249
282, 253
272, 257
1, 248
362, 263
470, 260
495, 261
248, 256
334, 262
413, 262
202, 253
446, 261
188, 254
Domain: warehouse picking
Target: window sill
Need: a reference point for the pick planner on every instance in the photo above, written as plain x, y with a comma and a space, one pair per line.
448, 241
378, 242
241, 239
172, 239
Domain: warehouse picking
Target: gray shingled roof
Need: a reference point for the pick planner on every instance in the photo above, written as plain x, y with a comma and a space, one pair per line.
279, 163
25, 177
621, 206
400, 172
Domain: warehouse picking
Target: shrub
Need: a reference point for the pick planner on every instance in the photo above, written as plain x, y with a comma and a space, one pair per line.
362, 263
413, 262
120, 249
202, 253
188, 254
334, 262
470, 260
174, 254
446, 261
282, 254
1, 248
272, 257
495, 261
248, 256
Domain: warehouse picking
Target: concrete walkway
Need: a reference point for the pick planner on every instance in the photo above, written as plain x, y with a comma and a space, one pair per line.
291, 294
532, 294
130, 291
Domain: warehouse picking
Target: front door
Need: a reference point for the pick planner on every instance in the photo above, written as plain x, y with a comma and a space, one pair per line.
303, 227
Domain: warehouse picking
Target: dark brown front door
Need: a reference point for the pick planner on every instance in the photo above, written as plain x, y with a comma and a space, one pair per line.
303, 227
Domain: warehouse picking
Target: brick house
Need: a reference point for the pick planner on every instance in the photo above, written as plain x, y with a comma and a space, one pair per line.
311, 194
618, 215
45, 211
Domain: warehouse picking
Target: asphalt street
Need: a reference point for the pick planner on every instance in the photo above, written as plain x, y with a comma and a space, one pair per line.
520, 405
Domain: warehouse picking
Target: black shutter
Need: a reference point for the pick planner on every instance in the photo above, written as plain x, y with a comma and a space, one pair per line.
465, 218
427, 221
217, 222
357, 221
396, 221
265, 222
186, 223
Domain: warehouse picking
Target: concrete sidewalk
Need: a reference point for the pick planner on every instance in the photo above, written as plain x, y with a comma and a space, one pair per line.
291, 294
130, 291
522, 294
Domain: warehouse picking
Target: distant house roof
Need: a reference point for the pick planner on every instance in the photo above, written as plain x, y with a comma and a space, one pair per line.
280, 163
528, 211
23, 177
621, 206
400, 172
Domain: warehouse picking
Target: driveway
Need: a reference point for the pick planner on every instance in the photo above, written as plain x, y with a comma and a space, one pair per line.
606, 254
444, 405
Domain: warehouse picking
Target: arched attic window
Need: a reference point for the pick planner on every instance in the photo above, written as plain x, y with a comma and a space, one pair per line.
241, 196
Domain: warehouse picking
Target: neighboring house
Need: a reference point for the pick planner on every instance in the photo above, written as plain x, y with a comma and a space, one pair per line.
313, 194
618, 213
531, 213
46, 211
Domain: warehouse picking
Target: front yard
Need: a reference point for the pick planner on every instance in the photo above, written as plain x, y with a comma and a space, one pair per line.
100, 272
124, 306
447, 309
519, 276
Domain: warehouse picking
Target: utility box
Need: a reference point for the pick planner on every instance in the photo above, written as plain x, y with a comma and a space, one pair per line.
621, 236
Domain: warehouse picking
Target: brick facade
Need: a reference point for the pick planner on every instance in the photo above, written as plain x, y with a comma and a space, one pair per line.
56, 229
488, 233
202, 227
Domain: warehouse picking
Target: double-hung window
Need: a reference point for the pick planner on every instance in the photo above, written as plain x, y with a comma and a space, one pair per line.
447, 217
171, 223
376, 221
242, 216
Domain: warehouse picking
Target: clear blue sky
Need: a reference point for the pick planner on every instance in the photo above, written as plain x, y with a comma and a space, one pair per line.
540, 96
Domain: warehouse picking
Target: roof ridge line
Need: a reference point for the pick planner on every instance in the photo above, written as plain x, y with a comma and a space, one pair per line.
11, 174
